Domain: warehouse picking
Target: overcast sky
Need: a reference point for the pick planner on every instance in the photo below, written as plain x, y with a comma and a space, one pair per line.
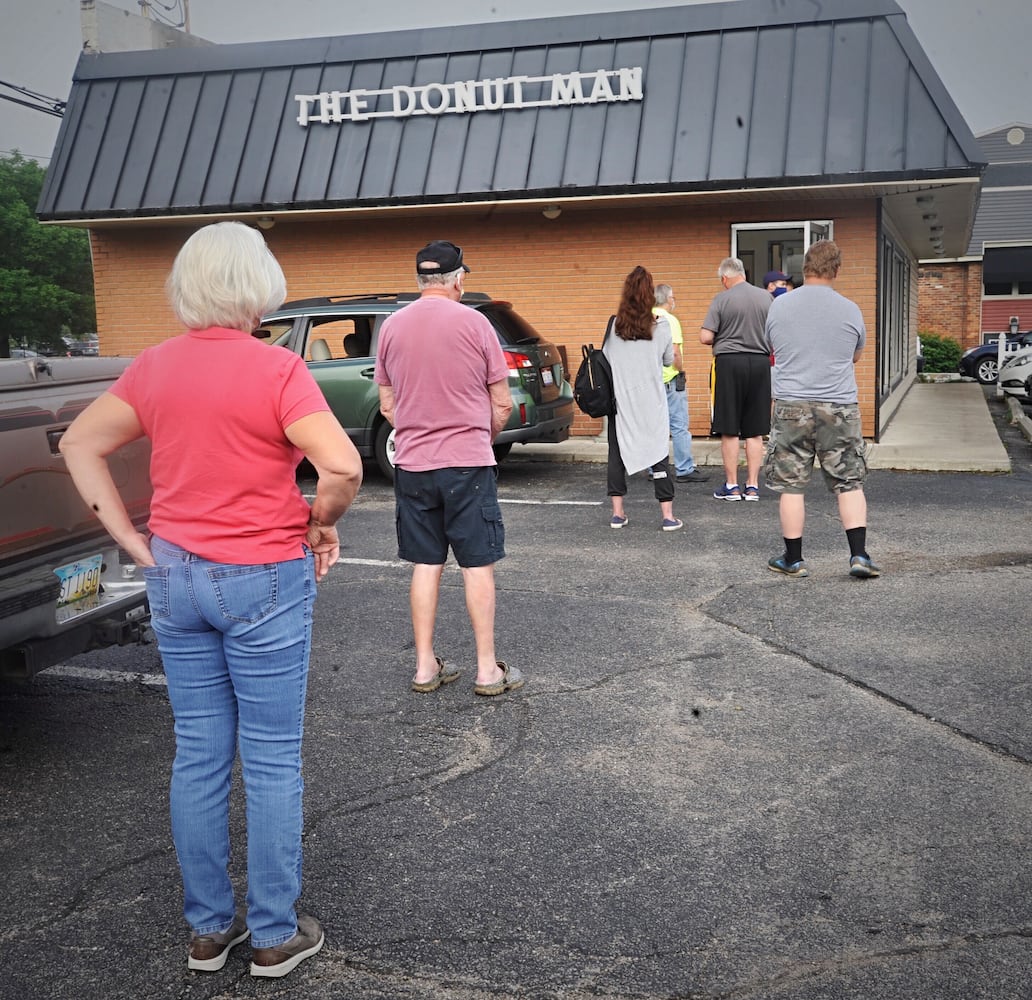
980, 48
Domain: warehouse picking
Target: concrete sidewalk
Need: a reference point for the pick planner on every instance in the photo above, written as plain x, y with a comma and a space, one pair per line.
944, 427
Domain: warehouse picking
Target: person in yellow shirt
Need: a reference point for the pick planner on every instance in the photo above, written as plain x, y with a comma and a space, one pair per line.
685, 468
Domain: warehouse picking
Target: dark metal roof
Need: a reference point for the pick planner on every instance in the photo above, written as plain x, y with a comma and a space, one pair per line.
750, 94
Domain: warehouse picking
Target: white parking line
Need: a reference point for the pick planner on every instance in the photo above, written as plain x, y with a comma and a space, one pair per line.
554, 503
390, 563
93, 674
529, 503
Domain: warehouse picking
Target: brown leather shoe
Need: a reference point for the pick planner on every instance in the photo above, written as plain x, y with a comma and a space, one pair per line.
208, 952
278, 961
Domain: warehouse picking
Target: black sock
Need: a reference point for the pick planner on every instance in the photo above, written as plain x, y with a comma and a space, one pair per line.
857, 541
793, 549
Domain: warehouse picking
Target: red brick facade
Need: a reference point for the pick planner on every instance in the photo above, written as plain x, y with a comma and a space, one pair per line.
950, 304
564, 276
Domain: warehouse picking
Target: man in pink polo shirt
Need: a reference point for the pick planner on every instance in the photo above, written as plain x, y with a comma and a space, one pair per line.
444, 386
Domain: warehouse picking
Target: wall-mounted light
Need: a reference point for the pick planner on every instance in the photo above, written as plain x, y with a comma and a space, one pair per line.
265, 222
925, 199
935, 230
930, 216
551, 212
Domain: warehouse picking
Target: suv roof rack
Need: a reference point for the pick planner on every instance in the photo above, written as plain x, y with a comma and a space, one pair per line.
374, 298
335, 300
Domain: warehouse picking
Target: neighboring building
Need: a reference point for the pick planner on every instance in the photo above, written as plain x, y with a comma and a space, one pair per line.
107, 28
559, 152
978, 295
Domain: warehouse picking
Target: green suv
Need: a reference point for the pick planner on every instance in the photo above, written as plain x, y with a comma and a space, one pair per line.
337, 338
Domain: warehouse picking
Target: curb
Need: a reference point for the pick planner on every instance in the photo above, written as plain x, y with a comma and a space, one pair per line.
1019, 417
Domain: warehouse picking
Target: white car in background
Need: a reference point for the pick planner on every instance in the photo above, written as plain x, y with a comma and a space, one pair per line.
1016, 372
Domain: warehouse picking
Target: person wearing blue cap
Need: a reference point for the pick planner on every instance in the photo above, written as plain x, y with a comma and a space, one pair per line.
777, 283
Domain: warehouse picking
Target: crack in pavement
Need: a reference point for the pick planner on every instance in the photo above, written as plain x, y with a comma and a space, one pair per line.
911, 709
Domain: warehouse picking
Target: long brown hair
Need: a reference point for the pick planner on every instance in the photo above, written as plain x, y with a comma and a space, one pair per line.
634, 319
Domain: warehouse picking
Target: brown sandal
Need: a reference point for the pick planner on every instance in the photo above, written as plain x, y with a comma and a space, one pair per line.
445, 675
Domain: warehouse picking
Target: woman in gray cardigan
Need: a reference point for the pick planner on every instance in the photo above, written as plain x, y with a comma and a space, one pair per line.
638, 344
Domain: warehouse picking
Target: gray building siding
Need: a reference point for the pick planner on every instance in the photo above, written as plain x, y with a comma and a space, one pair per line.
1003, 217
1005, 208
213, 130
996, 148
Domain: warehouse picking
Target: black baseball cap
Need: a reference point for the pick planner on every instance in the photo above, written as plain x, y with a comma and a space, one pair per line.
439, 257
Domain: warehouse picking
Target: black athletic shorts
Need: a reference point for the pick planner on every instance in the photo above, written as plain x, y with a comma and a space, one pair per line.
741, 395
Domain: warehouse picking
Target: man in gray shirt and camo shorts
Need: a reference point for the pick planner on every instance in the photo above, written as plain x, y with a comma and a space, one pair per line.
816, 336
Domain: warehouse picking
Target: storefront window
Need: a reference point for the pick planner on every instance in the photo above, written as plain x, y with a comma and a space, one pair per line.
776, 246
894, 304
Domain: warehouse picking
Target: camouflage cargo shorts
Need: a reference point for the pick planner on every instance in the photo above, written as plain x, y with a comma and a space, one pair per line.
805, 430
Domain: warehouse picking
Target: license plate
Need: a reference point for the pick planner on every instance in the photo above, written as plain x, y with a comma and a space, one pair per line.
546, 377
79, 579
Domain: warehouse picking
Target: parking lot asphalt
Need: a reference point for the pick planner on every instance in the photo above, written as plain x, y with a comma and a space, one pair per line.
717, 782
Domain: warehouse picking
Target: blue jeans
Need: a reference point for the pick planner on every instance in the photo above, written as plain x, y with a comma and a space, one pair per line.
677, 405
235, 642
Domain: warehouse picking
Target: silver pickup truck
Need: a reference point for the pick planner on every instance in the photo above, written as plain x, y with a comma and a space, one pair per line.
64, 586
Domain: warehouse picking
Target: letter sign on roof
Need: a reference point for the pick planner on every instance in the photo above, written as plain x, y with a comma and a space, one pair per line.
467, 96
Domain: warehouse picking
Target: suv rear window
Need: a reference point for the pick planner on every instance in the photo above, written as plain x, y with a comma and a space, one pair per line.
514, 329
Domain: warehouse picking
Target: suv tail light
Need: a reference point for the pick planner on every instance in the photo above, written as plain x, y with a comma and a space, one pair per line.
516, 361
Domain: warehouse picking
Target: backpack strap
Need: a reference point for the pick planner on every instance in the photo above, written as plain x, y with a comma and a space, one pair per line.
609, 329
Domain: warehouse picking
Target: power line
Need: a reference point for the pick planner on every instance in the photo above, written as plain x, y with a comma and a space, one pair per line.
21, 152
34, 100
152, 5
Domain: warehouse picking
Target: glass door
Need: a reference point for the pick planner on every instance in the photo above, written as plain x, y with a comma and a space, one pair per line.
776, 246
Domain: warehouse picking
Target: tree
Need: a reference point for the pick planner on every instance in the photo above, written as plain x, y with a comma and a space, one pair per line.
46, 278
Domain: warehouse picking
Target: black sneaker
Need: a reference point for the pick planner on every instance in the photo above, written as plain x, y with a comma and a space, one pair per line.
208, 952
281, 959
695, 476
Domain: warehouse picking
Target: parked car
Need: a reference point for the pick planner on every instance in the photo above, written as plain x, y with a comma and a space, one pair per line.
1016, 371
337, 337
982, 362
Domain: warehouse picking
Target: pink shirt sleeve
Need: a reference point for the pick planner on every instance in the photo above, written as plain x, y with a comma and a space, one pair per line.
301, 395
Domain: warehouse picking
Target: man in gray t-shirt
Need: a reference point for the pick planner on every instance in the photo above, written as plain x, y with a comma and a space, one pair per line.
733, 327
816, 336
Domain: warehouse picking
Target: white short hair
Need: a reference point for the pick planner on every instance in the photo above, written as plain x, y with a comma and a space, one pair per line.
426, 279
731, 267
225, 275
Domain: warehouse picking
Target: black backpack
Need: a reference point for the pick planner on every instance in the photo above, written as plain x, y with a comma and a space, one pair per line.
593, 387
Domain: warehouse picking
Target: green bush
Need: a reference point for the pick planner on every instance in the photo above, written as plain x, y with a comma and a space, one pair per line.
941, 354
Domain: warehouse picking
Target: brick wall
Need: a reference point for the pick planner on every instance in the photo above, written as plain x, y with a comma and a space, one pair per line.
950, 304
949, 301
564, 276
